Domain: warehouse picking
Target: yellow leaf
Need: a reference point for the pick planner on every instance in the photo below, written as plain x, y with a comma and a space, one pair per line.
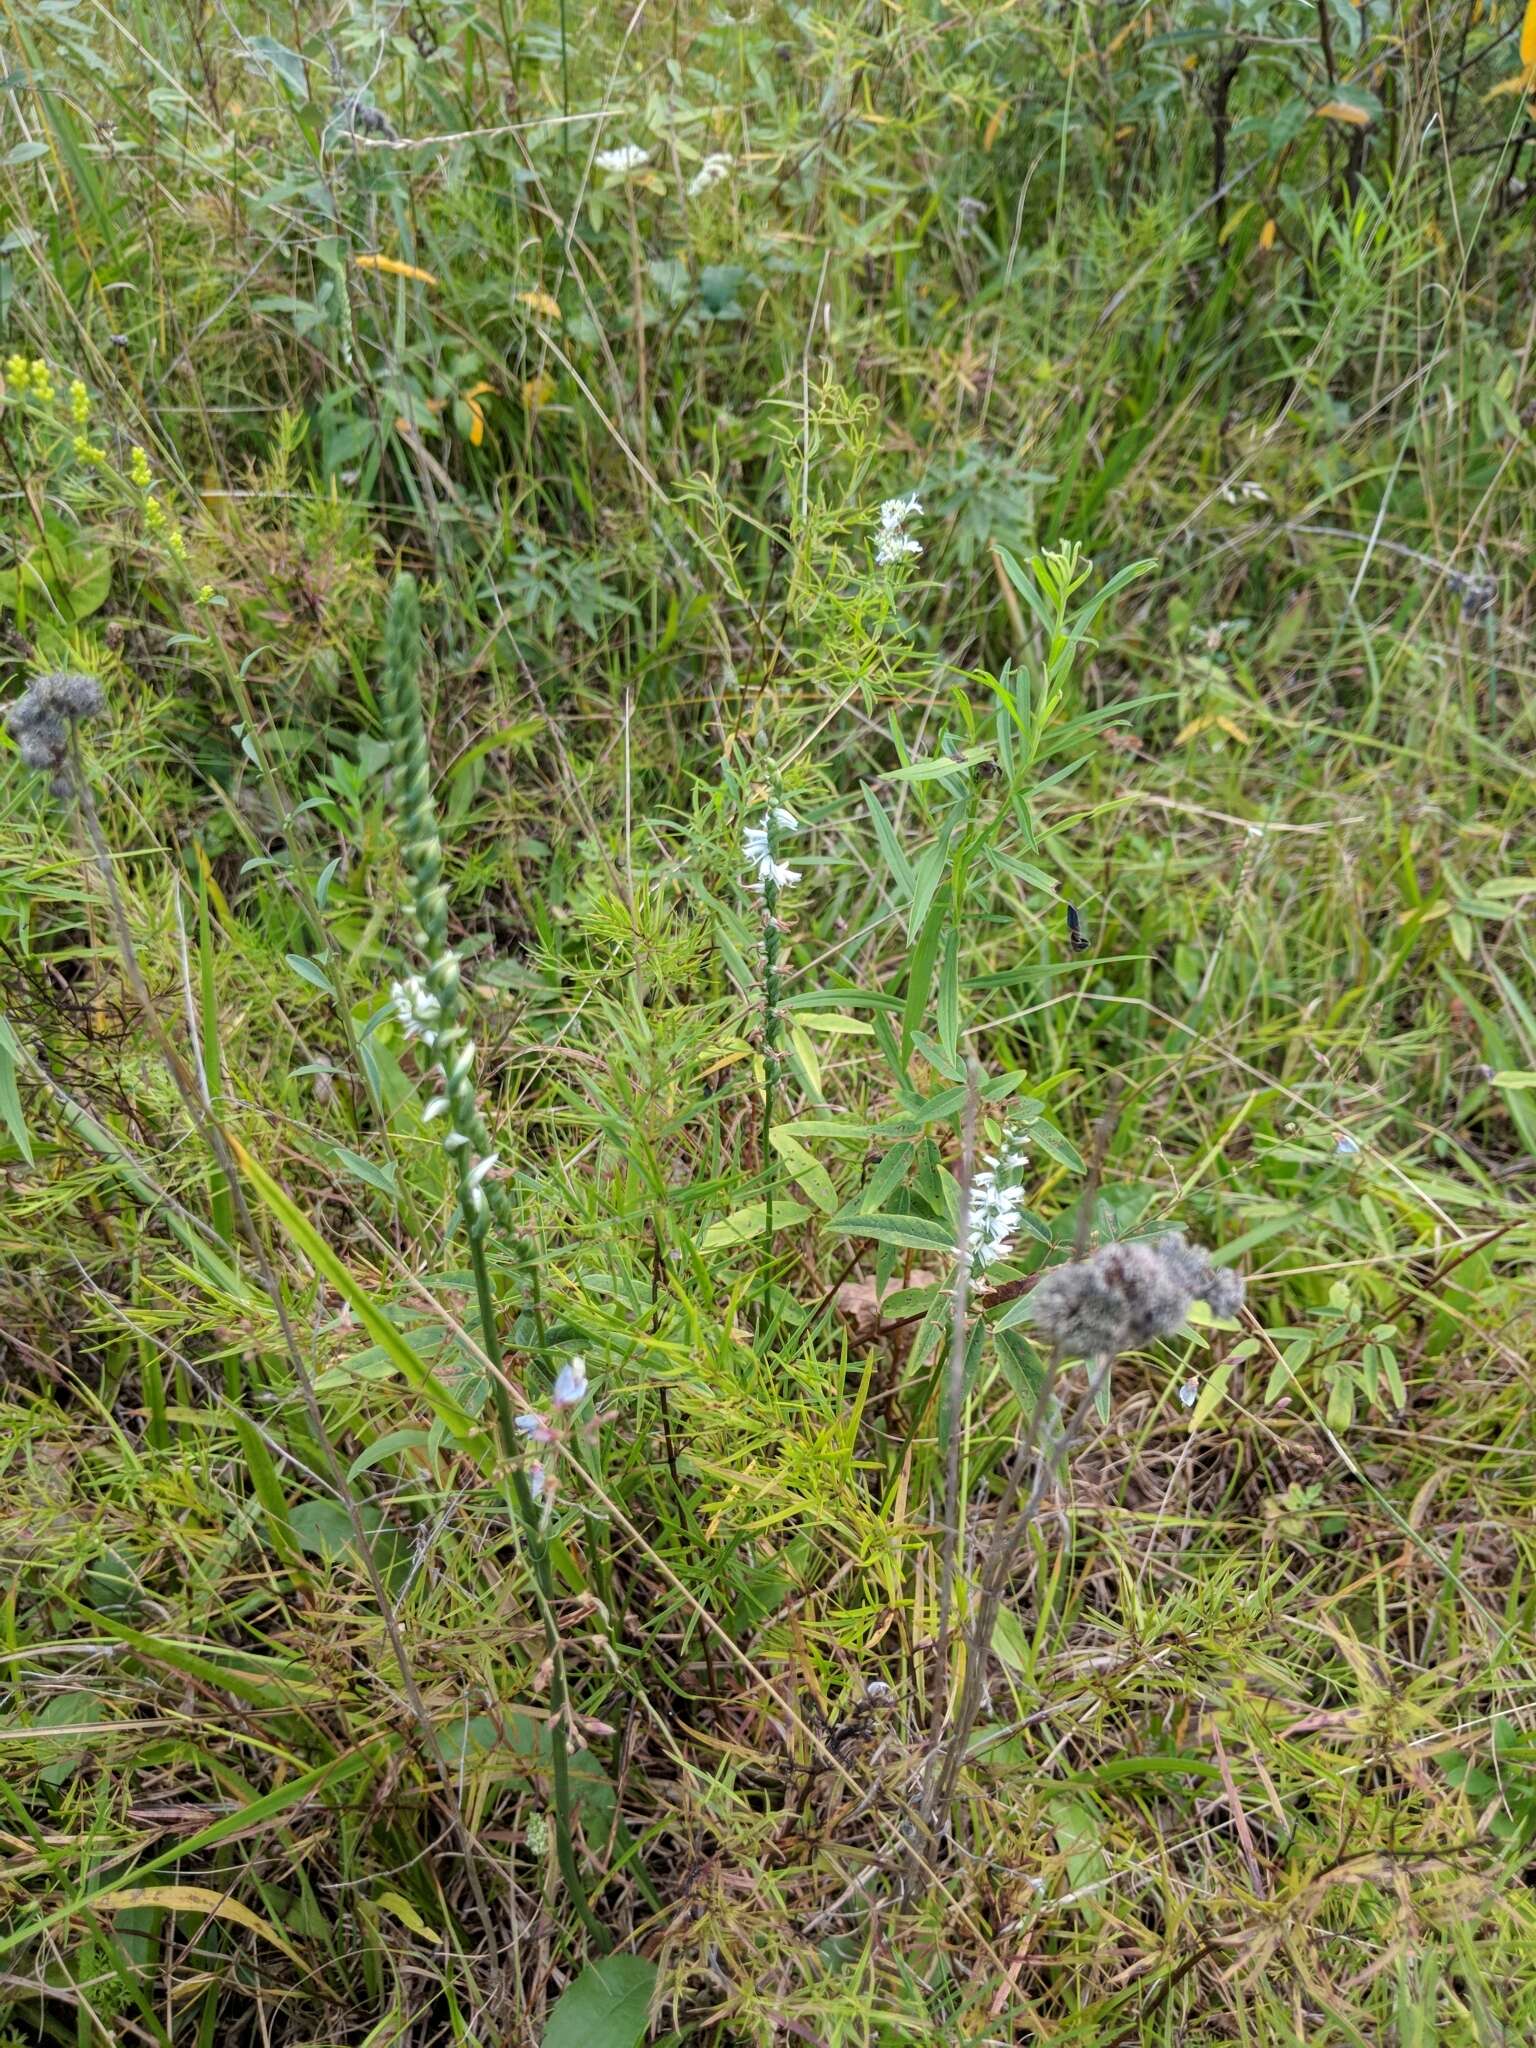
1233, 731
476, 422
1267, 234
1528, 36
393, 267
1343, 110
541, 303
1522, 81
194, 1898
392, 1902
1112, 47
538, 391
994, 128
480, 391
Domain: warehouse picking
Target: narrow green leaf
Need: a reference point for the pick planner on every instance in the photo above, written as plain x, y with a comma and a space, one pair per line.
890, 846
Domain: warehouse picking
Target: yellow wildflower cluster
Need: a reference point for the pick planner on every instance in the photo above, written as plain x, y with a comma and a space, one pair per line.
138, 468
25, 379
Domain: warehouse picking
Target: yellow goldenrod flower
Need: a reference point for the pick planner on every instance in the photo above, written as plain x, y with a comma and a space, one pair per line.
18, 375
177, 544
42, 386
205, 594
79, 403
138, 468
154, 514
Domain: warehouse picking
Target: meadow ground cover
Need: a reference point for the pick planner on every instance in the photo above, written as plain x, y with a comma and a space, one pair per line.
768, 1054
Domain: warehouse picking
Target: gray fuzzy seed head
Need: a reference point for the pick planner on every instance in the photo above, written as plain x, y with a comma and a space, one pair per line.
1124, 1295
40, 719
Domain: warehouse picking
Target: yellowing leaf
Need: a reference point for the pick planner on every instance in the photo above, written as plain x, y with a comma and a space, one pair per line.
194, 1898
476, 411
1523, 81
1345, 111
1267, 234
994, 128
538, 391
541, 303
1528, 36
393, 267
393, 1902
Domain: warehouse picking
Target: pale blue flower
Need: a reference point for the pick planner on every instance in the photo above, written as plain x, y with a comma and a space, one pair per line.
571, 1384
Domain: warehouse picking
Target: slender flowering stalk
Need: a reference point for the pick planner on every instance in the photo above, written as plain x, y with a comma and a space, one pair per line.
760, 847
431, 1008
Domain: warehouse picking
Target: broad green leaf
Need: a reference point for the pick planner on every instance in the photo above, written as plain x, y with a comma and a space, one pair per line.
914, 1233
608, 2006
743, 1225
310, 971
809, 1173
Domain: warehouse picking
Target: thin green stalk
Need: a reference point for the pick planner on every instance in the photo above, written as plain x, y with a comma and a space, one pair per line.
437, 1007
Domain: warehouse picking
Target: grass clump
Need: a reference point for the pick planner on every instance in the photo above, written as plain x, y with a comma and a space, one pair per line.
787, 700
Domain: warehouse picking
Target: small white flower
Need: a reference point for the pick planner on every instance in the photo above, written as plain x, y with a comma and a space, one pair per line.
1345, 1146
895, 512
893, 543
895, 547
434, 1108
623, 161
570, 1384
481, 1168
536, 1479
454, 1140
418, 1011
995, 1211
713, 171
1189, 1393
758, 853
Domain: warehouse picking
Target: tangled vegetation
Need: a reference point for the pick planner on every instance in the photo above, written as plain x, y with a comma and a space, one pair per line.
689, 691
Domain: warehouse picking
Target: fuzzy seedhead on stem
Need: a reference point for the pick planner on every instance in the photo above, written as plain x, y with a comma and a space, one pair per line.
432, 1008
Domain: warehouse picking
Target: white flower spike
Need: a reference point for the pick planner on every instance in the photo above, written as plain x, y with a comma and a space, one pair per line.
714, 170
624, 161
995, 1211
757, 850
418, 1011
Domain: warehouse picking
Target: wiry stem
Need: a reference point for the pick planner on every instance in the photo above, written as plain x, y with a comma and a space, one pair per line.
479, 1198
